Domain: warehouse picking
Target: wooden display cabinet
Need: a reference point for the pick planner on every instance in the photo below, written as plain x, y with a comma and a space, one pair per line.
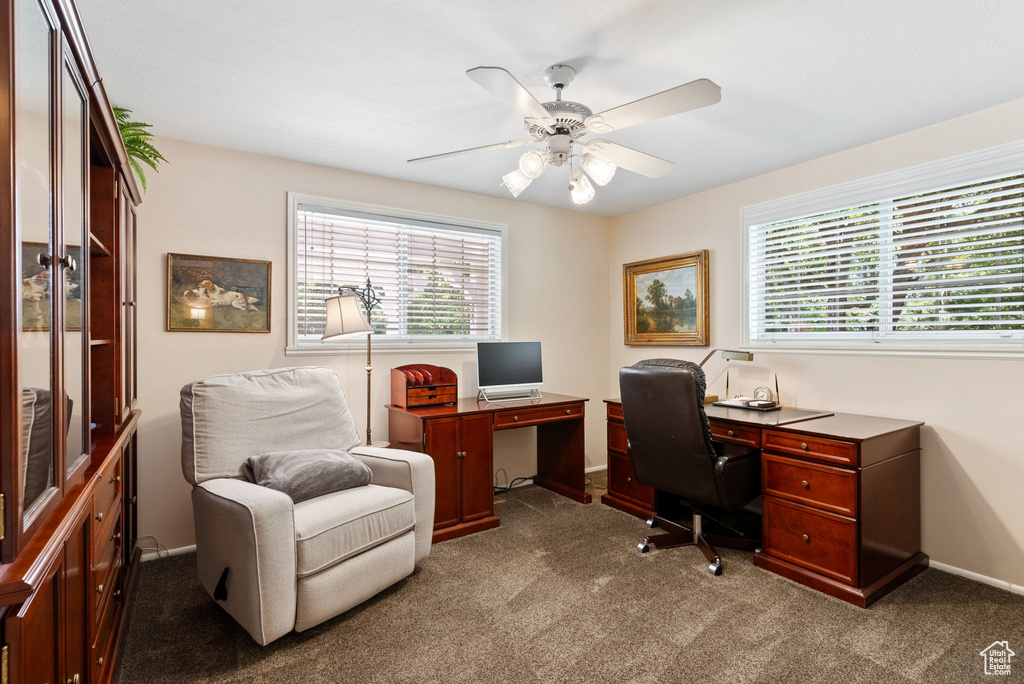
67, 355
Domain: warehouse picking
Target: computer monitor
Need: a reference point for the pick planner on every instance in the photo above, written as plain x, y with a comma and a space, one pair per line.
508, 370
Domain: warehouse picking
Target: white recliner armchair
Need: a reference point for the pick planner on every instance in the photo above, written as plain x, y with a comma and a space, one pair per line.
286, 566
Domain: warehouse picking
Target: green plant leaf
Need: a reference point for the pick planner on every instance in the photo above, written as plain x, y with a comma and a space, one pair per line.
137, 143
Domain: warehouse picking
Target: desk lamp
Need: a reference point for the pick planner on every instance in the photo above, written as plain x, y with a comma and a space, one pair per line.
344, 319
728, 355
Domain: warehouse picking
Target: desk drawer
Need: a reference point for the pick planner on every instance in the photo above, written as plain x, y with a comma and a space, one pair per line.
819, 541
617, 441
615, 412
622, 483
108, 489
104, 568
536, 416
813, 484
106, 627
817, 448
735, 433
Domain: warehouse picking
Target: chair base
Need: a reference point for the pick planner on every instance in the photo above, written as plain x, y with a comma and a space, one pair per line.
685, 537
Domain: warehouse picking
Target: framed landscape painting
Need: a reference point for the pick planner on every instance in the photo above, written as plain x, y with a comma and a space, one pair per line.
665, 300
217, 294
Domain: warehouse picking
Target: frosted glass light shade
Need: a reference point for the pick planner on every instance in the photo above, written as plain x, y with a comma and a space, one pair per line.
533, 163
600, 169
580, 188
516, 182
345, 318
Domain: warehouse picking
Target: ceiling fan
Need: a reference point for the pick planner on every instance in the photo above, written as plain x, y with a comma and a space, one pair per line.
561, 126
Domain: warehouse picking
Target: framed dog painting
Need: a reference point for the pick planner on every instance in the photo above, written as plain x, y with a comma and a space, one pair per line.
217, 294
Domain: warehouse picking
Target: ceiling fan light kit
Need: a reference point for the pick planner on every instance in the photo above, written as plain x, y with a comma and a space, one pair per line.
560, 125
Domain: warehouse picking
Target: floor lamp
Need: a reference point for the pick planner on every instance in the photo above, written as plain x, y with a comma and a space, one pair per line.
344, 319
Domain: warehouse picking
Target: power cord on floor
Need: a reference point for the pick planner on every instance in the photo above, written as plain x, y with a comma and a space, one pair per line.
498, 489
161, 550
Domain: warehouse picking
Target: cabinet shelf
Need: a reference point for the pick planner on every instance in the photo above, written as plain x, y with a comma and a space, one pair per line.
97, 248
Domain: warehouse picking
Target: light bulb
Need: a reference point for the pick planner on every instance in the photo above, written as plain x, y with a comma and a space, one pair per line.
533, 163
580, 188
516, 181
600, 169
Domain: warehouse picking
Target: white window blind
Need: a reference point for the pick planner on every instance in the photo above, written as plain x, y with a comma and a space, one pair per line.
939, 267
436, 281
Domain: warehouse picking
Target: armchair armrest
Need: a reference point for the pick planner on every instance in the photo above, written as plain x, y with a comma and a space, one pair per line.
737, 475
412, 472
249, 530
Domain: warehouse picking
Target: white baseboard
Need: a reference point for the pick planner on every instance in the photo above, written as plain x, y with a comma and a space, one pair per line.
594, 469
153, 554
978, 577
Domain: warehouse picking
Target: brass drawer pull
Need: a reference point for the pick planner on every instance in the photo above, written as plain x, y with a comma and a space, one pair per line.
99, 517
99, 589
806, 484
731, 433
115, 478
807, 539
568, 411
515, 419
99, 662
628, 480
117, 595
116, 537
803, 445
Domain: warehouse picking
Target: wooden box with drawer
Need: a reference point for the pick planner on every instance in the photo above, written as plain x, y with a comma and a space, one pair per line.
420, 384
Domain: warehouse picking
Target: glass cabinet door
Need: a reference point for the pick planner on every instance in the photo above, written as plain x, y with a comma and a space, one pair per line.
75, 262
34, 141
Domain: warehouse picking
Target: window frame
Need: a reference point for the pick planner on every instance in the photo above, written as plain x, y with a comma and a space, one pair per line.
1007, 158
381, 344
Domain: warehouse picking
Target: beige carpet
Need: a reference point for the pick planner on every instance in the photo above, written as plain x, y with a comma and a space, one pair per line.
558, 593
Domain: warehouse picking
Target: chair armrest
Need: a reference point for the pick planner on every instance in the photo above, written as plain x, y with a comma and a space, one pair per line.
250, 530
737, 475
412, 472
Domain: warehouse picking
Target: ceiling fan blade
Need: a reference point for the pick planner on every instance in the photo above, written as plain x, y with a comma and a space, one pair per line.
505, 87
692, 95
495, 146
630, 159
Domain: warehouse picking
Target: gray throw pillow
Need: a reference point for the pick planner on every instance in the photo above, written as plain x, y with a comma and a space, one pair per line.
307, 474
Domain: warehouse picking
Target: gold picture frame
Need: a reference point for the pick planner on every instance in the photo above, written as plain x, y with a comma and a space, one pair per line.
672, 306
217, 294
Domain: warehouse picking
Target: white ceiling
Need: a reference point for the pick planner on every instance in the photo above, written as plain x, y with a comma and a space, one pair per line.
366, 85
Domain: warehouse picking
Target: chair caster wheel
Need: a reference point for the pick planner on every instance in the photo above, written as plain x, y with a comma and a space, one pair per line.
643, 547
652, 523
757, 549
715, 569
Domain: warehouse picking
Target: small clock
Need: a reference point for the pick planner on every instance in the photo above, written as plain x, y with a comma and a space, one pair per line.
764, 394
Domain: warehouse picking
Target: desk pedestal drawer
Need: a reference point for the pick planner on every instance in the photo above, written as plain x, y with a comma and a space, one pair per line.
816, 540
827, 487
622, 483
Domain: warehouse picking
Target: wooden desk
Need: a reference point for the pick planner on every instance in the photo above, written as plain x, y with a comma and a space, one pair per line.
459, 438
841, 495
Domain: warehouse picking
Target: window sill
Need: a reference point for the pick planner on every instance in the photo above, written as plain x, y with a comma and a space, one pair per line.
381, 348
912, 352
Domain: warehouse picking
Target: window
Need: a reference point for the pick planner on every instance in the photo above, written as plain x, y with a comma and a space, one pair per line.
439, 279
925, 258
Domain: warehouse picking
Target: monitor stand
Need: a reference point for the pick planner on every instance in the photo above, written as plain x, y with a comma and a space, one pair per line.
507, 395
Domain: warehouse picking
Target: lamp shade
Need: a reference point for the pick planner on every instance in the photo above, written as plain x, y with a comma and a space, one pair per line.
345, 318
580, 188
516, 181
533, 163
598, 168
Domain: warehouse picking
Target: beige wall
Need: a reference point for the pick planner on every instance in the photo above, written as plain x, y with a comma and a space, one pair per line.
973, 442
213, 201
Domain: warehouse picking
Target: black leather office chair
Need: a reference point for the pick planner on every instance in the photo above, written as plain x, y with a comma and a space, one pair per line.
671, 450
